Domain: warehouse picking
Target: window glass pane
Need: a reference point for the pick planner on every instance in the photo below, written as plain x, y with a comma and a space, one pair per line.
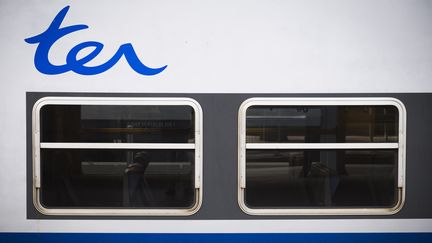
117, 124
321, 178
321, 124
117, 178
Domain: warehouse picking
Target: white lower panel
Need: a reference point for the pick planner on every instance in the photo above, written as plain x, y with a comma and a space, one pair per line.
221, 226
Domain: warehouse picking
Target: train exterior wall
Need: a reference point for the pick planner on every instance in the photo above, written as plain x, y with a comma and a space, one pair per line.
219, 53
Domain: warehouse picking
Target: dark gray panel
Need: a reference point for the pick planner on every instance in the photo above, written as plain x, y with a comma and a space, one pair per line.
220, 113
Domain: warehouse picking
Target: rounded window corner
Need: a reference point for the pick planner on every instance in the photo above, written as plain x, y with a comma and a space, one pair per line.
197, 204
398, 103
242, 203
38, 205
400, 203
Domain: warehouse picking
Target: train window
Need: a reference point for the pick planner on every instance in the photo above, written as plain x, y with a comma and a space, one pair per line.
315, 156
117, 156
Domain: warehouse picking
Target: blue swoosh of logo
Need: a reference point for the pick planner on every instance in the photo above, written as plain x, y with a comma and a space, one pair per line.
47, 38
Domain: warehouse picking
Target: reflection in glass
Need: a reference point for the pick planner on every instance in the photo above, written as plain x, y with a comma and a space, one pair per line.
117, 178
117, 124
321, 178
321, 124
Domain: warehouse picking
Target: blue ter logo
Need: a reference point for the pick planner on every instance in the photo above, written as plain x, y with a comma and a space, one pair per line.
54, 32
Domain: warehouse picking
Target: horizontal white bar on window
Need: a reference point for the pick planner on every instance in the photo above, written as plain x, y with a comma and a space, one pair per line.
322, 145
277, 117
117, 145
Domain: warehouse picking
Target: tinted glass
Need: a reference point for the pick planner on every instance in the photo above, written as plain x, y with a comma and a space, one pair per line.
321, 178
117, 178
117, 124
321, 124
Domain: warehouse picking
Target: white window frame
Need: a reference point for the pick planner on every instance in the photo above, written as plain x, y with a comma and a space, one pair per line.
37, 145
243, 146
